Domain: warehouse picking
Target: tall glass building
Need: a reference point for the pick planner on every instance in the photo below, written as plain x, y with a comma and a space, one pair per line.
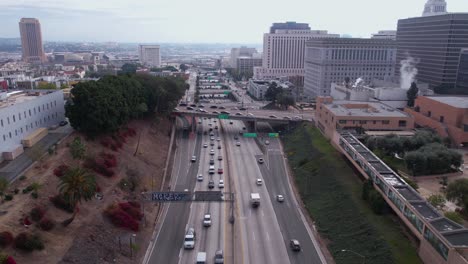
435, 42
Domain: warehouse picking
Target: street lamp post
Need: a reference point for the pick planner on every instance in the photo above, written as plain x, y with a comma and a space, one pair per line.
355, 253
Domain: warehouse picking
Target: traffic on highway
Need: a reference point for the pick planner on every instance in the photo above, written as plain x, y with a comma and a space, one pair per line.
257, 219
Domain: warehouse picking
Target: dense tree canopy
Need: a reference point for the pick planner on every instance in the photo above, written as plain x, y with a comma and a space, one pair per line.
104, 106
411, 94
457, 191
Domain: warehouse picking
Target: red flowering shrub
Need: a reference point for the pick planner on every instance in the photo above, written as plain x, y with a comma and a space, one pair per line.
106, 142
99, 166
46, 224
98, 188
109, 160
37, 213
9, 260
133, 211
120, 218
6, 238
131, 132
25, 221
60, 170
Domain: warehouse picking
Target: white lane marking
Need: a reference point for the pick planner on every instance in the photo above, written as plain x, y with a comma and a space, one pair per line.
253, 235
268, 236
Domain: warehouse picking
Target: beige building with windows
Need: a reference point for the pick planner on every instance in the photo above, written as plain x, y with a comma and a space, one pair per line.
31, 40
337, 116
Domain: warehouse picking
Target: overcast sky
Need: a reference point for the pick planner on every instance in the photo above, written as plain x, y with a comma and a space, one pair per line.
203, 21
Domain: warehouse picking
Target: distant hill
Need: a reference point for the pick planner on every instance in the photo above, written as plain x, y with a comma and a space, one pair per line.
10, 41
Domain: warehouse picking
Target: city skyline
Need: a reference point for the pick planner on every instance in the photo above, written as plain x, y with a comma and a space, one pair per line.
211, 22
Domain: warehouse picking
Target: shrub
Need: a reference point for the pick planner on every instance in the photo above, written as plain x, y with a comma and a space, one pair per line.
28, 242
37, 213
121, 218
16, 191
25, 221
8, 197
34, 195
22, 178
133, 211
9, 260
454, 216
28, 189
62, 203
6, 238
46, 224
60, 170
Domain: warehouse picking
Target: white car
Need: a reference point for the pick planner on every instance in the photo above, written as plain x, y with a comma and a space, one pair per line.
200, 177
212, 152
194, 158
221, 184
207, 220
218, 139
238, 143
267, 142
205, 145
189, 240
280, 198
259, 182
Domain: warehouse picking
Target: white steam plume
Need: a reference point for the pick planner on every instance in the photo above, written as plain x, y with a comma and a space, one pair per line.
407, 72
358, 82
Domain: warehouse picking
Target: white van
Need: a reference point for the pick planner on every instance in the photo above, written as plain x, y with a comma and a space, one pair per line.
189, 240
201, 257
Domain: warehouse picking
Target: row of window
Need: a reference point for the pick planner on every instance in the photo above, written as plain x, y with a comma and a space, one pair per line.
32, 111
440, 247
37, 123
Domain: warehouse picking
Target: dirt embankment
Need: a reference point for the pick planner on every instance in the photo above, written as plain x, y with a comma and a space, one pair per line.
91, 238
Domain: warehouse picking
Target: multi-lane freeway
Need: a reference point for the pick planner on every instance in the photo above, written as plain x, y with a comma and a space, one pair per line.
258, 235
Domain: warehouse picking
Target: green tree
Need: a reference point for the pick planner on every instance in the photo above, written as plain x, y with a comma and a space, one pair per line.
376, 201
183, 67
129, 68
411, 94
285, 100
272, 92
46, 86
457, 191
75, 186
437, 200
78, 149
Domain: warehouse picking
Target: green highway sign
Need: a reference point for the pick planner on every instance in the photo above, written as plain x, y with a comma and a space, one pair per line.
226, 92
250, 135
223, 116
273, 135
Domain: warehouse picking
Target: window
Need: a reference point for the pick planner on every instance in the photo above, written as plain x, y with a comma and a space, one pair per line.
441, 119
429, 113
385, 122
4, 138
402, 123
29, 112
8, 119
9, 133
362, 122
375, 122
342, 121
19, 116
465, 128
1, 122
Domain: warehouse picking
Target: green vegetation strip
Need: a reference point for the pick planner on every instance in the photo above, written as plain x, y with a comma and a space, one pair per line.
331, 193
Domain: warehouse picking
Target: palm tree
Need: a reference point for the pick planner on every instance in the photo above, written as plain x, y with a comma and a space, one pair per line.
76, 185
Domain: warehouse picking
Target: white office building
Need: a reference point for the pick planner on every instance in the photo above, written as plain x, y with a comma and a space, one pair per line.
243, 52
23, 112
284, 48
150, 55
332, 60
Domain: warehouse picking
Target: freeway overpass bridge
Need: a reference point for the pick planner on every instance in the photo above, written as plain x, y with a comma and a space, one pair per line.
214, 91
268, 116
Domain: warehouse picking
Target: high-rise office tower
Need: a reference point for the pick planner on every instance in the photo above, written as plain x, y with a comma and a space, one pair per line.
241, 52
283, 50
435, 7
435, 43
462, 75
31, 40
331, 60
150, 55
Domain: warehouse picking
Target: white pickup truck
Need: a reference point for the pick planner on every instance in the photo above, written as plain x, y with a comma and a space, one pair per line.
189, 240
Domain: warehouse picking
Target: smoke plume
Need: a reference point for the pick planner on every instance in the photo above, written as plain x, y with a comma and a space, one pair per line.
407, 72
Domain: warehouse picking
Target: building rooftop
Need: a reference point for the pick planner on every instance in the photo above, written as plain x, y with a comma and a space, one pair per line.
458, 238
444, 224
425, 210
363, 109
458, 101
17, 97
409, 194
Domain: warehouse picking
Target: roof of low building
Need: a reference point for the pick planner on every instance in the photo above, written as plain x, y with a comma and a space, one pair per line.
363, 109
455, 101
